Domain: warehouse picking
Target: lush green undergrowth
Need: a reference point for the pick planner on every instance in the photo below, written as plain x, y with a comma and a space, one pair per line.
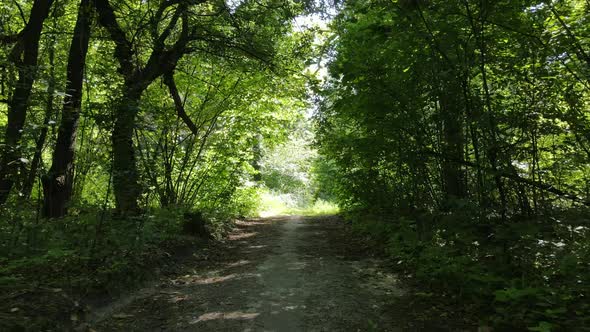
273, 204
318, 208
47, 266
526, 275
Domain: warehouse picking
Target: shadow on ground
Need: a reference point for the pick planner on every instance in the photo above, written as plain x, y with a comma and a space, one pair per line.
275, 274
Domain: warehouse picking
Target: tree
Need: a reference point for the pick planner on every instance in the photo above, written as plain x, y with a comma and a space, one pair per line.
23, 56
58, 183
192, 32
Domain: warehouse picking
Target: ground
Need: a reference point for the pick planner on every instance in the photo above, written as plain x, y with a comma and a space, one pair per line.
278, 274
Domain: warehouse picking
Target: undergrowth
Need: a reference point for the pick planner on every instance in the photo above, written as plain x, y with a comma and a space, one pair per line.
47, 266
519, 275
273, 204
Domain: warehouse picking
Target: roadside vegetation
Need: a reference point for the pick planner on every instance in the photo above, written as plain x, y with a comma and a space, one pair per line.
131, 130
453, 135
459, 134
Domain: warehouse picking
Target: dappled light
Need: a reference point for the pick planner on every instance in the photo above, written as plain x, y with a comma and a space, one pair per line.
224, 315
273, 205
241, 262
242, 236
294, 165
197, 280
289, 173
293, 281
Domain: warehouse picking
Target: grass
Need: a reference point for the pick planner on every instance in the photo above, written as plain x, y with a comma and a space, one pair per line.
283, 204
318, 208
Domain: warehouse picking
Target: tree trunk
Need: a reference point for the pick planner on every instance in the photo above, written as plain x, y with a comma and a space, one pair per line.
453, 140
162, 60
168, 167
58, 184
125, 173
40, 142
27, 48
257, 157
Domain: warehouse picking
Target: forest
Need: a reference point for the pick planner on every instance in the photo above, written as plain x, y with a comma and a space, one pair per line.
451, 139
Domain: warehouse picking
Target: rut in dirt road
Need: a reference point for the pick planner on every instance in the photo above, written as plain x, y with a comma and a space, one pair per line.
281, 274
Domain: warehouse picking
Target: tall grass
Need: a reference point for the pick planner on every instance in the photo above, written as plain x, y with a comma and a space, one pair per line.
274, 204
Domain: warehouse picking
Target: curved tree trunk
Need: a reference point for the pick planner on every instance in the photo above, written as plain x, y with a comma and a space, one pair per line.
58, 184
162, 60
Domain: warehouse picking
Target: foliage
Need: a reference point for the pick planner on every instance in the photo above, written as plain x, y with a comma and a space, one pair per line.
273, 204
459, 128
462, 127
291, 172
105, 150
540, 287
285, 167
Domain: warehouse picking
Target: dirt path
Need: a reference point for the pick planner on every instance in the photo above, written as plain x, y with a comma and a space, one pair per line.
281, 274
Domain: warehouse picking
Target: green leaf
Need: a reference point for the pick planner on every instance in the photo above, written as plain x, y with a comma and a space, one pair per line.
542, 327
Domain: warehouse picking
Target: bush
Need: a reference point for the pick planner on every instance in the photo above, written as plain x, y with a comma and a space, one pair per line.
519, 277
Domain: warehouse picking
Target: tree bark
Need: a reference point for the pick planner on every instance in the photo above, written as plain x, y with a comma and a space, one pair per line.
162, 60
453, 139
24, 54
40, 142
58, 183
125, 174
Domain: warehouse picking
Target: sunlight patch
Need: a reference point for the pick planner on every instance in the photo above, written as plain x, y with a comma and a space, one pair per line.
276, 204
239, 263
269, 213
242, 236
225, 315
258, 246
213, 280
198, 280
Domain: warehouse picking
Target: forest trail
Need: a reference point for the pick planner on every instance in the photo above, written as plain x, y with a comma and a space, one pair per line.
276, 274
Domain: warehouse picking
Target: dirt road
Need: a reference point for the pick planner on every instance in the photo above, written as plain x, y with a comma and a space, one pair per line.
279, 274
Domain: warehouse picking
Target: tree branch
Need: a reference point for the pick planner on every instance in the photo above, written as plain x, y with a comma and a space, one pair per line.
574, 40
178, 104
9, 39
512, 176
20, 10
160, 41
123, 49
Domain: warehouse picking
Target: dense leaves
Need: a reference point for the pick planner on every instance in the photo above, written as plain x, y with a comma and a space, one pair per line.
463, 125
455, 133
122, 119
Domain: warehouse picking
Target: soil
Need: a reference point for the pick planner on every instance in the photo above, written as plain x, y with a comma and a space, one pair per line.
277, 274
